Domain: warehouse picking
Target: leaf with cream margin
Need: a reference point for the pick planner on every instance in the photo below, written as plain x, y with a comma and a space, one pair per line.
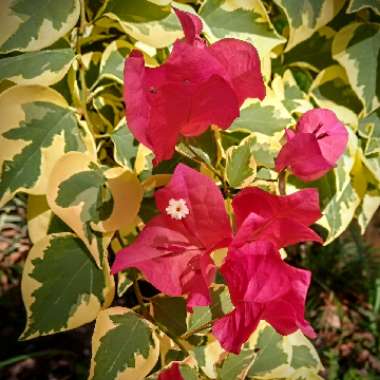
92, 201
267, 117
358, 5
37, 129
280, 356
32, 25
356, 47
314, 52
153, 24
332, 90
125, 146
307, 16
369, 129
291, 96
38, 216
246, 20
124, 346
61, 286
241, 167
112, 62
44, 67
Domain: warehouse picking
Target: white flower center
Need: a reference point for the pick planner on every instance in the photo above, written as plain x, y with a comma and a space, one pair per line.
177, 209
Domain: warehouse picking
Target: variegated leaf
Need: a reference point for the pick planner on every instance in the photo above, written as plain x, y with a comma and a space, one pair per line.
267, 117
124, 346
39, 217
62, 288
278, 356
332, 90
357, 5
93, 201
32, 25
112, 62
37, 129
153, 24
307, 16
356, 48
240, 169
291, 96
44, 67
246, 20
314, 52
369, 128
125, 146
221, 304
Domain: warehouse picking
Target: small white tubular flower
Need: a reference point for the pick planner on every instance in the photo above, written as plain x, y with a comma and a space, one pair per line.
177, 209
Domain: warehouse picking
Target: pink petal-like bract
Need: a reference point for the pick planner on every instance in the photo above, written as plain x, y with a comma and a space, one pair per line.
282, 220
262, 287
315, 146
197, 86
171, 373
174, 254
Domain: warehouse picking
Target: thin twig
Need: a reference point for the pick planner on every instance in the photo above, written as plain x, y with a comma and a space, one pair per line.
282, 183
198, 329
82, 78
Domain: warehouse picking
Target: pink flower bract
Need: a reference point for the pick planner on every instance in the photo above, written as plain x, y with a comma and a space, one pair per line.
262, 287
315, 146
197, 86
174, 254
171, 373
282, 220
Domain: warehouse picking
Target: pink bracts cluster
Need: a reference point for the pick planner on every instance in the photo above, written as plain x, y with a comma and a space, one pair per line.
173, 252
197, 86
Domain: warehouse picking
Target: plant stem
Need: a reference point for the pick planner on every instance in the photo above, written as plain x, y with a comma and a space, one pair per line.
198, 329
82, 78
282, 183
140, 300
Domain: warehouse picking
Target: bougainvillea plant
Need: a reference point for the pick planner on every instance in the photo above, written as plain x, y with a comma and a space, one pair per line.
171, 152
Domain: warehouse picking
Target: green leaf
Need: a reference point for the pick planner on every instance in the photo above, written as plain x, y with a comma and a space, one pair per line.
356, 48
307, 16
32, 25
270, 353
357, 5
266, 119
302, 357
125, 147
43, 123
240, 170
250, 22
188, 373
124, 346
43, 67
170, 312
221, 305
62, 287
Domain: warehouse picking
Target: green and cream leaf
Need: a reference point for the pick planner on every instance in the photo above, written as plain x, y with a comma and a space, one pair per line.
62, 288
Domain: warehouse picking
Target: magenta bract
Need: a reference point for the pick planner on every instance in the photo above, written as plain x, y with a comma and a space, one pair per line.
262, 287
282, 220
197, 86
173, 250
314, 147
